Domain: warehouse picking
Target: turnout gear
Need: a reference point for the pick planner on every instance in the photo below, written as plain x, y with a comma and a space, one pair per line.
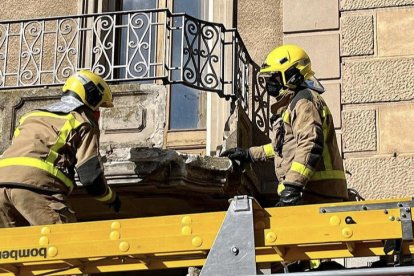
304, 148
50, 143
309, 156
89, 88
24, 207
238, 154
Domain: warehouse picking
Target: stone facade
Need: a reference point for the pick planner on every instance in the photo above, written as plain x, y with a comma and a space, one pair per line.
377, 96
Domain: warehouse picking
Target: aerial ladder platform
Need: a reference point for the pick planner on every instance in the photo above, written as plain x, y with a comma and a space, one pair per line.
235, 242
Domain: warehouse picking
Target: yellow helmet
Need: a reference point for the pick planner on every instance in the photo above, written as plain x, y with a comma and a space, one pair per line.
290, 64
92, 90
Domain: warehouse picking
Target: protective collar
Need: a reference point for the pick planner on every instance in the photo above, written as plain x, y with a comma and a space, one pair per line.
65, 105
314, 84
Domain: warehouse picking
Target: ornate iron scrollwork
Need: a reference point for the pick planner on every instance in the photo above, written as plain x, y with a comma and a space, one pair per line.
133, 46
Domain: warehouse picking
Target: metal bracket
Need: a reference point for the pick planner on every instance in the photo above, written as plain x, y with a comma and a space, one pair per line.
406, 224
233, 251
365, 207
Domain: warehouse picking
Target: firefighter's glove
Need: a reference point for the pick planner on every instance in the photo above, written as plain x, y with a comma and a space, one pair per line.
237, 154
290, 196
115, 204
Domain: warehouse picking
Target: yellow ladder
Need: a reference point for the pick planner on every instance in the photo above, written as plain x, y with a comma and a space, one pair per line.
233, 241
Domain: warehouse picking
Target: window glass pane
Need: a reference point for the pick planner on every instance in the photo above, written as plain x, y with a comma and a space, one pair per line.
190, 7
138, 4
187, 105
187, 108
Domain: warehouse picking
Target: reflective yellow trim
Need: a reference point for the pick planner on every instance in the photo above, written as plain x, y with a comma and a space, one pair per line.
16, 132
105, 197
280, 188
39, 164
325, 111
314, 263
286, 116
329, 174
302, 169
70, 124
43, 114
269, 151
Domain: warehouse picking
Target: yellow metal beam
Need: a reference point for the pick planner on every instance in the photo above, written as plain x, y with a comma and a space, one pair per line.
352, 229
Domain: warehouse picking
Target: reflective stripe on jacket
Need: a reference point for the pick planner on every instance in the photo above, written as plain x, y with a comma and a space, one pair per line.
309, 155
47, 146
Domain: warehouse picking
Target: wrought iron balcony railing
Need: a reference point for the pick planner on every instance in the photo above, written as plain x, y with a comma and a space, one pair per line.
133, 46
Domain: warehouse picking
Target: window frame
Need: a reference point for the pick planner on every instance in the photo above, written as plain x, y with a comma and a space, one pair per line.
200, 140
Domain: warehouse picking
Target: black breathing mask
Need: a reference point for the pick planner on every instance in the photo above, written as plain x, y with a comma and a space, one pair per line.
274, 84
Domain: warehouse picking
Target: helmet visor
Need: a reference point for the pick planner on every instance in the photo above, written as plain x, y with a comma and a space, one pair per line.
274, 83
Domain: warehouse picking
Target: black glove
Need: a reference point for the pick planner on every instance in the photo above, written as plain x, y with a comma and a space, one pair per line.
290, 196
238, 154
116, 204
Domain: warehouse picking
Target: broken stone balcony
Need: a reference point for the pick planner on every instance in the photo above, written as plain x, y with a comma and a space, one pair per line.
154, 181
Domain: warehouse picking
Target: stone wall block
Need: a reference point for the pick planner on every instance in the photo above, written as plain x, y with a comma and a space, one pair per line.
348, 5
318, 15
357, 35
323, 50
395, 32
377, 80
379, 178
359, 130
395, 128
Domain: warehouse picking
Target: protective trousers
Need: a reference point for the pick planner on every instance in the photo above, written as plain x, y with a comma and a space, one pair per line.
23, 207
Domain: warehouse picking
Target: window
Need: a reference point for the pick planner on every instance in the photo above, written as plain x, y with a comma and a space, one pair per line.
187, 105
195, 118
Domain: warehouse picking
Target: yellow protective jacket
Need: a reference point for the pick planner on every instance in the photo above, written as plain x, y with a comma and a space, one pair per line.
46, 149
304, 147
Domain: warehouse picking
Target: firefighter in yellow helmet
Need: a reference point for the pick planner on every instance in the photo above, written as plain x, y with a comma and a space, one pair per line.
308, 164
37, 171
